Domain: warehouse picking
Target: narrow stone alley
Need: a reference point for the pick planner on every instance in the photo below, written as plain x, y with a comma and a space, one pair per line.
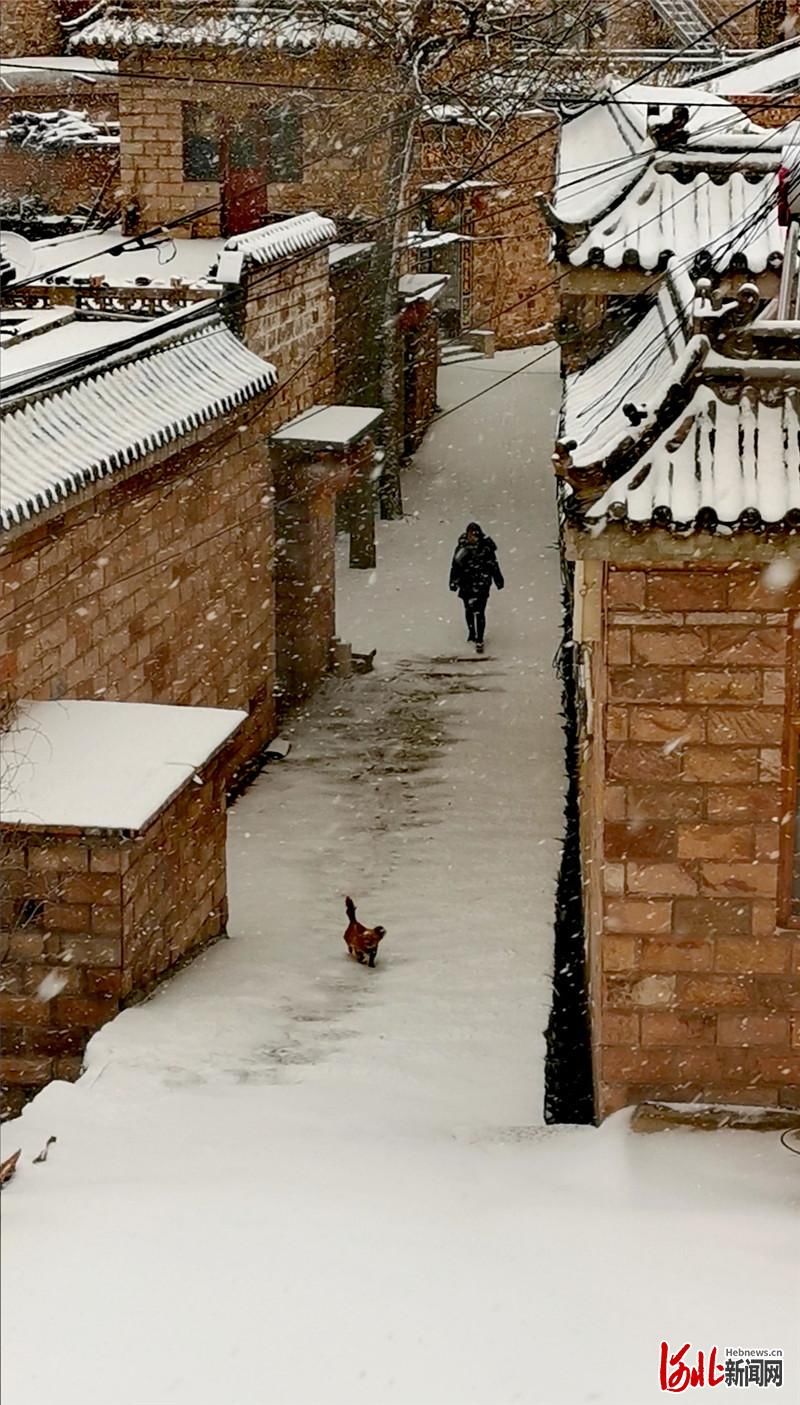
343, 1188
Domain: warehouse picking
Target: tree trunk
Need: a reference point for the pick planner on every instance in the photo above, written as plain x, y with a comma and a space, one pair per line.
385, 273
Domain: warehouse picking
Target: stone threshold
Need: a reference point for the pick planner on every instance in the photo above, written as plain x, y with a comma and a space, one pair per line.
706, 1117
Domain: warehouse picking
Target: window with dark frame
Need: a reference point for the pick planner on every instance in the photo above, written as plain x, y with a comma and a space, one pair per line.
200, 142
269, 140
285, 127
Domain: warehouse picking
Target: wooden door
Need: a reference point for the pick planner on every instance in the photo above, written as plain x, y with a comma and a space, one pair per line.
245, 161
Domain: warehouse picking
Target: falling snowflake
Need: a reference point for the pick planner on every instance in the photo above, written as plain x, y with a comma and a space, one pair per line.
50, 986
780, 574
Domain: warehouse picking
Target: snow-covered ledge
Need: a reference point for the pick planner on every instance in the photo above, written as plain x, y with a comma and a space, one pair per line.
112, 833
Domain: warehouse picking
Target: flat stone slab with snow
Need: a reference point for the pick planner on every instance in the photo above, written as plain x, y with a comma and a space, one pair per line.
289, 1178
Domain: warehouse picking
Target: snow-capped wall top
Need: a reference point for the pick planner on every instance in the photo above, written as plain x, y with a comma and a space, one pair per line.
67, 127
285, 237
104, 765
120, 406
240, 29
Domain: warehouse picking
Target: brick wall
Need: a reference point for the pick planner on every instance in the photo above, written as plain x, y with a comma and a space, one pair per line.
353, 373
29, 27
344, 138
289, 320
158, 588
420, 372
109, 916
695, 983
511, 279
62, 179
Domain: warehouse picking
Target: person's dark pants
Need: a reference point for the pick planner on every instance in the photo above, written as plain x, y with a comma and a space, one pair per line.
475, 614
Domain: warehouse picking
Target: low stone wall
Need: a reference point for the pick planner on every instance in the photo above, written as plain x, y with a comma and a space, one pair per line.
90, 922
159, 588
62, 179
29, 27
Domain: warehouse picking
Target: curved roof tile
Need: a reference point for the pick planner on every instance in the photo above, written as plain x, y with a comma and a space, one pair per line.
117, 411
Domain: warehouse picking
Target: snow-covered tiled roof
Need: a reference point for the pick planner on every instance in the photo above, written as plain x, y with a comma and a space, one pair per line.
285, 237
775, 70
103, 765
120, 406
731, 459
604, 149
241, 29
632, 374
732, 219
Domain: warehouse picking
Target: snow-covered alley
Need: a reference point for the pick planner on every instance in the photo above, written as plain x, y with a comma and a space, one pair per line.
291, 1180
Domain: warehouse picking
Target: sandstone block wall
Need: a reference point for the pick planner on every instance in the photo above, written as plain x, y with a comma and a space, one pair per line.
62, 179
344, 137
289, 320
102, 917
29, 27
510, 284
157, 589
695, 956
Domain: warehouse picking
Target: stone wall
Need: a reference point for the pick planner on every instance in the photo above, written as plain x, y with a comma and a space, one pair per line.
509, 281
29, 27
420, 373
105, 915
344, 138
695, 964
62, 179
289, 320
355, 379
157, 588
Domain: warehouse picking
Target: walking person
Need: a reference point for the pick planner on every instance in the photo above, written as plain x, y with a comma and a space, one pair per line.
473, 572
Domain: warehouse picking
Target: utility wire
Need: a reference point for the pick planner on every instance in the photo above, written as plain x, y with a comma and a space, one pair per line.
471, 172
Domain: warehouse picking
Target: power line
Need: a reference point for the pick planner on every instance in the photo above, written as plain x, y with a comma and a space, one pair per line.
137, 240
471, 172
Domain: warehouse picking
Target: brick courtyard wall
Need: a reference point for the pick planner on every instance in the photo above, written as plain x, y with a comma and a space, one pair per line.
695, 982
421, 356
29, 27
289, 320
157, 588
305, 561
353, 375
511, 279
62, 179
108, 916
344, 137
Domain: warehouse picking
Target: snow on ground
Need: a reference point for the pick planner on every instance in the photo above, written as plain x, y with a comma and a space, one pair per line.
290, 1179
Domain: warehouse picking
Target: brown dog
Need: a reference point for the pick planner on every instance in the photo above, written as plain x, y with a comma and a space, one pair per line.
362, 942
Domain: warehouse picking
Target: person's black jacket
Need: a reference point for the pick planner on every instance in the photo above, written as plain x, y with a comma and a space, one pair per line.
475, 569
